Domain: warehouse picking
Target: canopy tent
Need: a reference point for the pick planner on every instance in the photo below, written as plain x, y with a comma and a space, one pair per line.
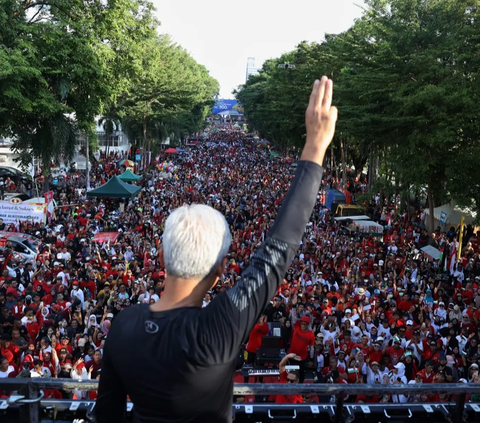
171, 151
453, 214
115, 188
129, 176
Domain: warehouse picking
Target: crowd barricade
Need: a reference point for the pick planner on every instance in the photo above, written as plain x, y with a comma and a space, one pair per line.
27, 403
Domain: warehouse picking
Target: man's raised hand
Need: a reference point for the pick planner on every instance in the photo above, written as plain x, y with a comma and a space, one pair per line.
320, 120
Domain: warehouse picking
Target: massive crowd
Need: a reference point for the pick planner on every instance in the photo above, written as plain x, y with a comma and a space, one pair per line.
353, 308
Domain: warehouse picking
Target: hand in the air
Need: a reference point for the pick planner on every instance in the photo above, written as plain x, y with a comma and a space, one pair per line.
320, 120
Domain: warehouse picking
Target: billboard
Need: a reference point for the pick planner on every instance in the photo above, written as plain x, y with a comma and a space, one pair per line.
228, 107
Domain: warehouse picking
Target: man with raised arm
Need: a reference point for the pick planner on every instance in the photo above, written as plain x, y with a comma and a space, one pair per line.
175, 359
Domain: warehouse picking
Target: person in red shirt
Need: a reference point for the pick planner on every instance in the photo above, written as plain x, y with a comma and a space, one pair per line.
363, 346
303, 341
376, 354
64, 345
395, 352
427, 374
290, 377
260, 330
8, 349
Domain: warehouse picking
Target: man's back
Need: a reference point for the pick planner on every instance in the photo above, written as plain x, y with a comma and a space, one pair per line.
177, 361
178, 365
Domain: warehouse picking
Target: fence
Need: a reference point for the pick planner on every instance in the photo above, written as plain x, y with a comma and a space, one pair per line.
30, 400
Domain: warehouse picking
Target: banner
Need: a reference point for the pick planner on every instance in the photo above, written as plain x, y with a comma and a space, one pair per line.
48, 196
228, 107
13, 213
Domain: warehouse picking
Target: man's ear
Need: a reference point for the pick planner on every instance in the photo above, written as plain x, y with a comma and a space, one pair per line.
161, 257
221, 267
219, 272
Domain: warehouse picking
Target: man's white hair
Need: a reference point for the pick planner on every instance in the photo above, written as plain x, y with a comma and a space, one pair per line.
195, 241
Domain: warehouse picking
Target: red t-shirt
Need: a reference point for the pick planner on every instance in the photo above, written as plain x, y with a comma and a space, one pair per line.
288, 399
256, 335
300, 342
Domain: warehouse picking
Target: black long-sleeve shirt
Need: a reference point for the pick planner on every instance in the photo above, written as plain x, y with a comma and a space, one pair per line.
178, 365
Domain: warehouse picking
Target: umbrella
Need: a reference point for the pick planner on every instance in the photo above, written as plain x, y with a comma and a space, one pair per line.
127, 163
171, 151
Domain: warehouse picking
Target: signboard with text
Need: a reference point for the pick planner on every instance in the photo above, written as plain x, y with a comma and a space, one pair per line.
228, 107
22, 212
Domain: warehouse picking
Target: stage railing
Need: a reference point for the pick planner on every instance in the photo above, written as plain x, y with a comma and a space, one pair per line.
29, 398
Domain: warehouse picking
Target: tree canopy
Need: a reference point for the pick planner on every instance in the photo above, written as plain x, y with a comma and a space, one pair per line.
64, 62
406, 77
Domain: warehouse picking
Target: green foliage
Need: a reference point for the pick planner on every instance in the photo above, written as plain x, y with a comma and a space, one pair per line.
64, 62
170, 96
406, 77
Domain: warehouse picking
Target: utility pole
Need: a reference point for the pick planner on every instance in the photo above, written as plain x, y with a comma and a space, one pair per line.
88, 161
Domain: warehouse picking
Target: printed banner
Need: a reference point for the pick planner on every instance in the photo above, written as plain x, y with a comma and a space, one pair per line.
228, 107
21, 212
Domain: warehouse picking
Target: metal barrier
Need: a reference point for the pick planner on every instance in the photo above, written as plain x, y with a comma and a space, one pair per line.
30, 399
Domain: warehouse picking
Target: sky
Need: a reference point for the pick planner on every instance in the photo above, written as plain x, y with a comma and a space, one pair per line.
223, 37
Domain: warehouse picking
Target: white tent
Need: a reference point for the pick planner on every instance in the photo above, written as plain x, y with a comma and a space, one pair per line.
453, 213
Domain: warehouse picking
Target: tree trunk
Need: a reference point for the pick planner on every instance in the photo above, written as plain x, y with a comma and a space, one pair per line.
431, 206
371, 170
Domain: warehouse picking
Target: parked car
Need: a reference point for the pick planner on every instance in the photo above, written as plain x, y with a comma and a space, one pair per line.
17, 176
23, 244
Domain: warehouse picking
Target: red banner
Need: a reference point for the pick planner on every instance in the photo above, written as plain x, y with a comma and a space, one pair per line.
48, 196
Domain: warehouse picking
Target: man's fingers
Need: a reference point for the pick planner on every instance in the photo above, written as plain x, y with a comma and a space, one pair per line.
321, 91
327, 98
313, 95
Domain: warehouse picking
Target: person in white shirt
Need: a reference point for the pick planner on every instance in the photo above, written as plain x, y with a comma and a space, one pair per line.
374, 374
64, 276
440, 311
77, 293
458, 273
5, 368
37, 370
384, 330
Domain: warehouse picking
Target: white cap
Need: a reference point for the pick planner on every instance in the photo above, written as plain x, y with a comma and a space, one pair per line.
348, 311
409, 323
380, 262
110, 315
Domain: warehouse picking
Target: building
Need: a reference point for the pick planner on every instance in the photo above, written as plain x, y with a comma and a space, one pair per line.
117, 142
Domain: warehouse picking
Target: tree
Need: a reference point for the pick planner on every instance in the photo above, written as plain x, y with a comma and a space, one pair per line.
61, 61
171, 94
406, 88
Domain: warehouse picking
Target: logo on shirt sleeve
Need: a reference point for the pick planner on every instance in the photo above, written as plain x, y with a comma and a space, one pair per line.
151, 327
